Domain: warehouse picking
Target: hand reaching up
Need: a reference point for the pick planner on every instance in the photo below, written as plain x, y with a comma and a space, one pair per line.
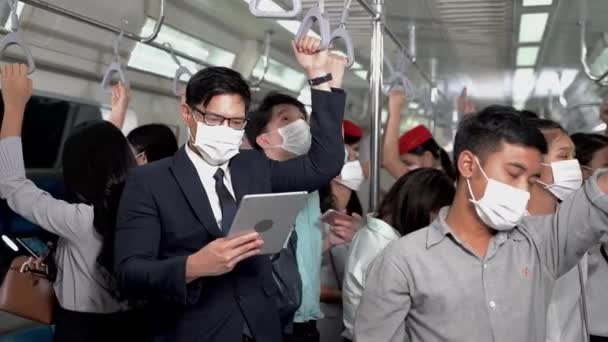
310, 58
16, 88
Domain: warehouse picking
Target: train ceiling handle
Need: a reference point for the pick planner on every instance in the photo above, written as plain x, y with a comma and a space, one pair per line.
399, 81
15, 38
114, 68
315, 15
178, 87
291, 14
341, 33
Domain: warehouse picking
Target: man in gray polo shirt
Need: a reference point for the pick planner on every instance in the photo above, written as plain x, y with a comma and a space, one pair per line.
484, 270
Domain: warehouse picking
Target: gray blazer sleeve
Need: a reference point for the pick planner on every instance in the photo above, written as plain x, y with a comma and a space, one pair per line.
580, 222
70, 221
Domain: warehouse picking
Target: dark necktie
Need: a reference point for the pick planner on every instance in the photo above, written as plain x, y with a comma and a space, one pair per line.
228, 205
227, 202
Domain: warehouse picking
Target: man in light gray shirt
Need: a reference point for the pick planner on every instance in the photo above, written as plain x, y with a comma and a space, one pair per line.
484, 270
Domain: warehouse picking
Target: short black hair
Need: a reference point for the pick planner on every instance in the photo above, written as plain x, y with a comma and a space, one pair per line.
259, 119
485, 132
528, 114
545, 124
411, 200
213, 81
587, 145
157, 140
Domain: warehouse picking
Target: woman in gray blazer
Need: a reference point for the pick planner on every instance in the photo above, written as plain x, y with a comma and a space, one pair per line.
96, 158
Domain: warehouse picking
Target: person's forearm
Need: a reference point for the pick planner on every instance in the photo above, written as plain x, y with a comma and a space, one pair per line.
11, 123
117, 118
390, 149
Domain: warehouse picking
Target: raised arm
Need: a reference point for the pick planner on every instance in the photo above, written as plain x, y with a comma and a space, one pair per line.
580, 222
325, 158
391, 160
121, 96
23, 197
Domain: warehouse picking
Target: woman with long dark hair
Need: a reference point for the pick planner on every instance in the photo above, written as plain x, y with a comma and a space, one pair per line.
411, 203
96, 159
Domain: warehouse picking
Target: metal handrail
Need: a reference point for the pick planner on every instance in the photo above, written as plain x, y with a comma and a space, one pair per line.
583, 36
178, 89
374, 14
94, 22
149, 40
265, 61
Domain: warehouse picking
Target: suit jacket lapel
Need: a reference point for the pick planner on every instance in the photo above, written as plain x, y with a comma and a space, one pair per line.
189, 181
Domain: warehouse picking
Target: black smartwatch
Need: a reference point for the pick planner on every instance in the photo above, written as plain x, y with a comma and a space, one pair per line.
320, 80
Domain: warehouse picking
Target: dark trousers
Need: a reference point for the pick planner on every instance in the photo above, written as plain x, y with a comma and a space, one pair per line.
598, 339
304, 332
71, 326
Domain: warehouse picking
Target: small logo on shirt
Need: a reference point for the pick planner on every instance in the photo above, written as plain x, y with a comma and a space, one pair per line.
525, 272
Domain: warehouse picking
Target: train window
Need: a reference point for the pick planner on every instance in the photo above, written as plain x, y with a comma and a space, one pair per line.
43, 129
8, 23
359, 71
280, 74
148, 58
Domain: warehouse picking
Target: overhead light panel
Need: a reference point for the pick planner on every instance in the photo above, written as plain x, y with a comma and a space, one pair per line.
531, 3
532, 27
527, 55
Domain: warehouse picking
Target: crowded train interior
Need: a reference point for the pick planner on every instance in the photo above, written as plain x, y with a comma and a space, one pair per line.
304, 170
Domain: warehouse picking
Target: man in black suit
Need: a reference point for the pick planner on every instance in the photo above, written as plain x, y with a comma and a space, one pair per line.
174, 214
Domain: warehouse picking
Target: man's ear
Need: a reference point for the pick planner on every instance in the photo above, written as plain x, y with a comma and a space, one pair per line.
262, 141
467, 164
186, 113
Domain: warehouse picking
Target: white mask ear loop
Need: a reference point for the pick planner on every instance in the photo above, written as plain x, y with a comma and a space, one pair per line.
469, 181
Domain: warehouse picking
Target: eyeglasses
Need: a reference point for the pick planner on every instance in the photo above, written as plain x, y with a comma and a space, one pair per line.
212, 119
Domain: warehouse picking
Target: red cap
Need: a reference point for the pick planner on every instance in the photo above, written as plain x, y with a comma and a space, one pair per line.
413, 138
351, 129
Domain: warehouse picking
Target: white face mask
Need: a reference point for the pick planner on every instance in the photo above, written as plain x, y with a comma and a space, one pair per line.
217, 144
296, 137
567, 178
502, 206
352, 175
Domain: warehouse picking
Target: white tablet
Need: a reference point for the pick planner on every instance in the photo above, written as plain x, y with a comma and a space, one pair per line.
271, 215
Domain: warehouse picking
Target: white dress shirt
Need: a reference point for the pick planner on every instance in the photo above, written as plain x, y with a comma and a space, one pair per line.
205, 172
368, 242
